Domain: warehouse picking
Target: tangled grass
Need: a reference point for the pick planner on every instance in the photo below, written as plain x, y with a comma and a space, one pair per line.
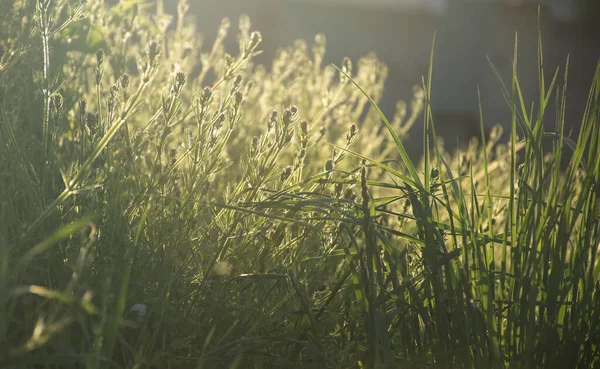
165, 204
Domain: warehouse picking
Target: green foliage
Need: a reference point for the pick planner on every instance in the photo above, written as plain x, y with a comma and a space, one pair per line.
163, 204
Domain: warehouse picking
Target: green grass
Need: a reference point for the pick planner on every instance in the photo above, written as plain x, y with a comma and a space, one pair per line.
166, 204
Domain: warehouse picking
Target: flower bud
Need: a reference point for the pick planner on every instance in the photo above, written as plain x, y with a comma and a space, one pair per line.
286, 173
99, 57
254, 144
273, 118
82, 107
90, 119
304, 127
237, 83
219, 121
152, 50
352, 133
124, 81
255, 39
329, 165
206, 96
237, 99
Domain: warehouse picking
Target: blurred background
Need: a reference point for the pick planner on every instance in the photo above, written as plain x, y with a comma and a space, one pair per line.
400, 32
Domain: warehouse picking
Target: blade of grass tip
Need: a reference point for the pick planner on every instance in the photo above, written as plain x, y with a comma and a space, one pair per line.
510, 224
399, 146
540, 55
491, 264
510, 101
428, 117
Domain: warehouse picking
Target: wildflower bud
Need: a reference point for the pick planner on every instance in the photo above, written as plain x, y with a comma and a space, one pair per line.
435, 173
82, 107
152, 50
99, 57
273, 118
418, 92
339, 187
179, 82
237, 83
219, 121
495, 133
254, 144
319, 48
289, 115
180, 78
173, 156
255, 39
56, 106
224, 27
400, 111
244, 23
113, 98
320, 39
329, 165
286, 173
124, 81
520, 169
205, 96
352, 133
228, 60
304, 127
237, 99
90, 119
302, 153
56, 102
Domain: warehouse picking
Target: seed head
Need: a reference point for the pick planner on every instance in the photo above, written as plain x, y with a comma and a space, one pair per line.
273, 118
99, 57
289, 115
56, 102
180, 78
435, 173
82, 107
152, 50
237, 83
286, 173
90, 119
224, 27
255, 39
124, 81
206, 96
339, 188
254, 144
329, 165
304, 127
237, 99
352, 133
219, 121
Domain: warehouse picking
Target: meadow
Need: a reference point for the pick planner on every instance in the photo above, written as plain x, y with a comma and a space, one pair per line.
168, 203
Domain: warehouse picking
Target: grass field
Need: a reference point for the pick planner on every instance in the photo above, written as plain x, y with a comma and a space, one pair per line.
166, 203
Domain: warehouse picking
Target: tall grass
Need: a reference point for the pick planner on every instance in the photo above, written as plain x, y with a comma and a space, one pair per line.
166, 204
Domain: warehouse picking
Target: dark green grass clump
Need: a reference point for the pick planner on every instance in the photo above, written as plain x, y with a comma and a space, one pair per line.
169, 205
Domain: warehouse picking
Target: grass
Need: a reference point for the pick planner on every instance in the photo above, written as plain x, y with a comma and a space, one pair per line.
165, 204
